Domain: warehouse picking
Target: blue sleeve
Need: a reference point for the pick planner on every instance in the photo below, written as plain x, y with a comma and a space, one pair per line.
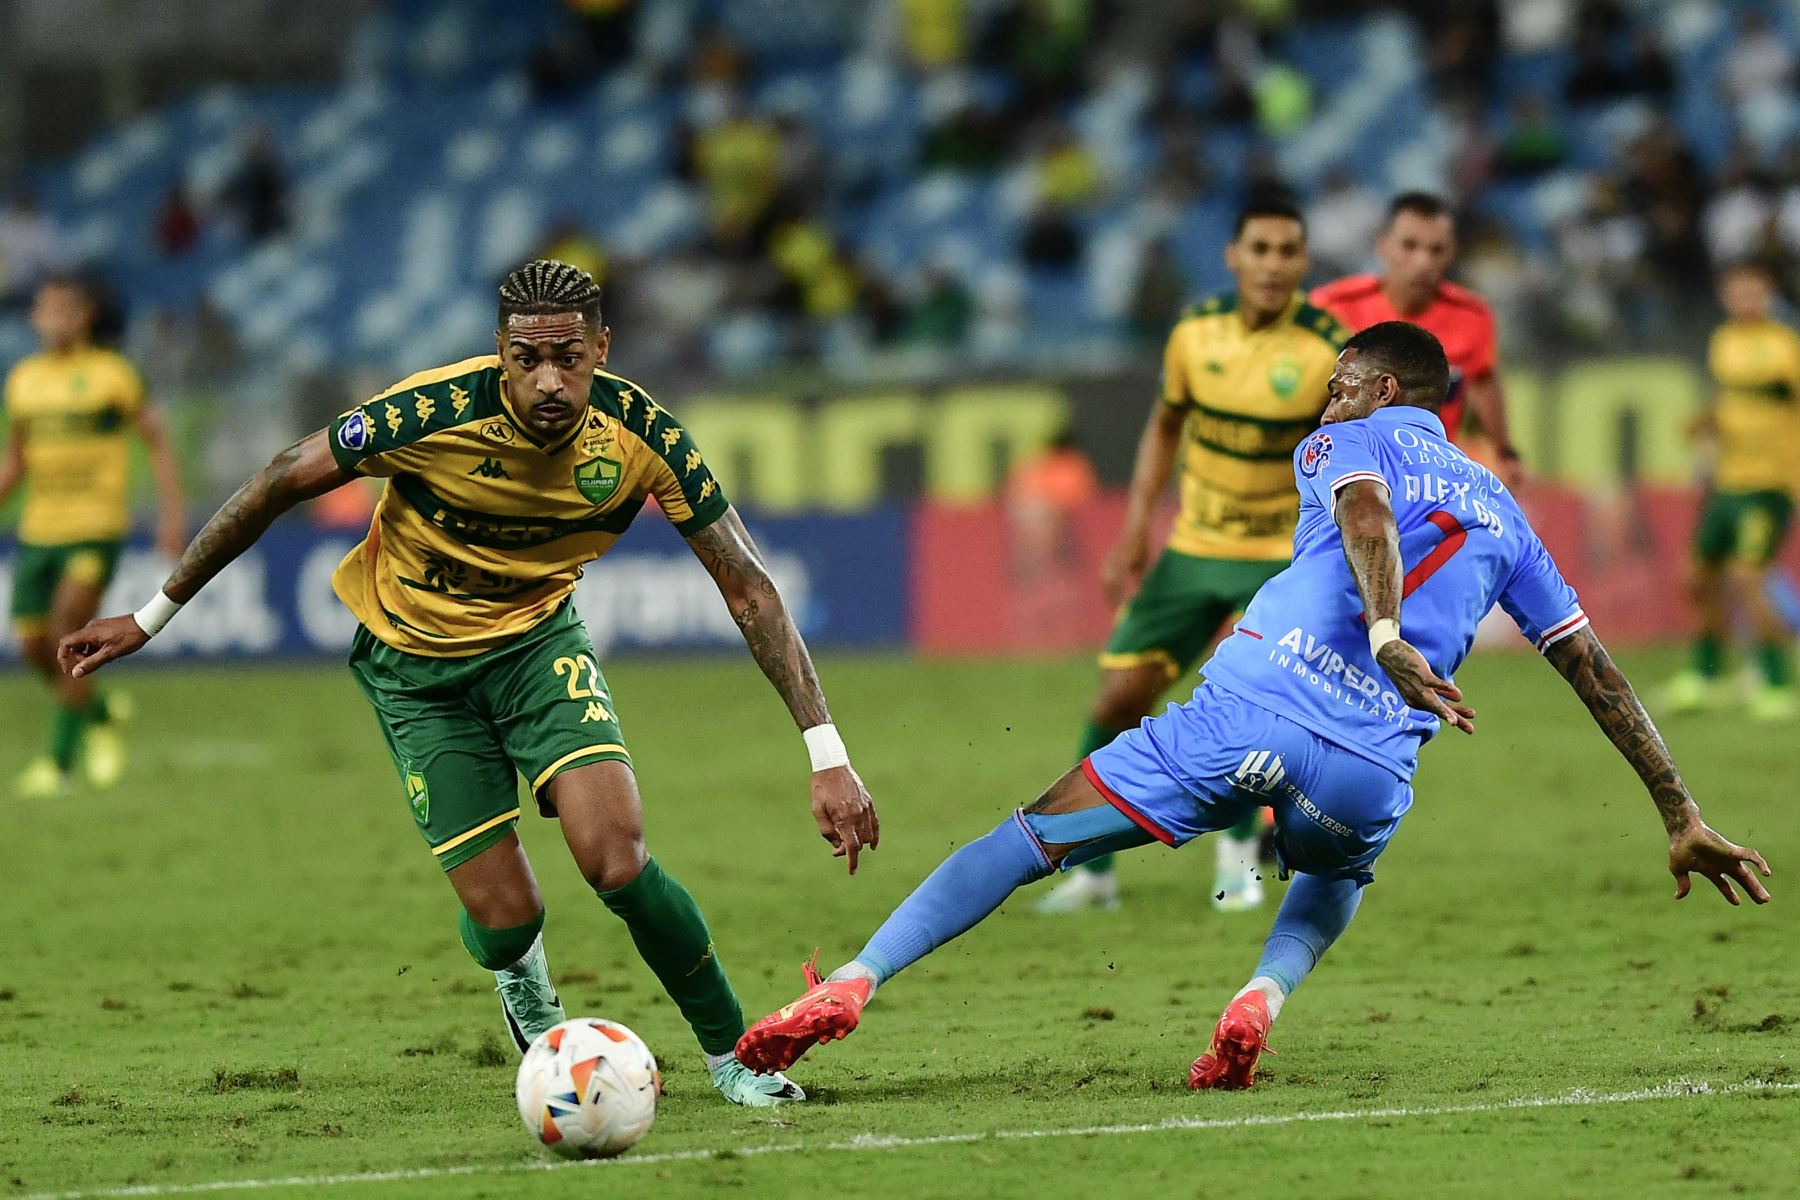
1334, 457
1538, 598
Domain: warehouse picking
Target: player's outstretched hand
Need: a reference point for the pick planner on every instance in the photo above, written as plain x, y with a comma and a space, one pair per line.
98, 643
1696, 848
846, 815
1420, 687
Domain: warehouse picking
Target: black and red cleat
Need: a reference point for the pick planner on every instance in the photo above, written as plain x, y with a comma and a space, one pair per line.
827, 1012
1238, 1040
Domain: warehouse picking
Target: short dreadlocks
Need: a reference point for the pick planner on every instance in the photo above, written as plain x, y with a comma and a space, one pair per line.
545, 286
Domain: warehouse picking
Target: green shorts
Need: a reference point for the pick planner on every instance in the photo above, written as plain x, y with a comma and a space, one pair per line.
462, 730
1183, 601
1742, 527
37, 570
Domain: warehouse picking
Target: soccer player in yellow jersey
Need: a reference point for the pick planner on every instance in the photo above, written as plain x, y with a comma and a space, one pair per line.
1243, 382
505, 475
1754, 426
70, 409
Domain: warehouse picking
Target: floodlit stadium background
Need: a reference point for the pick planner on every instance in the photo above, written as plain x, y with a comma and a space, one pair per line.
876, 255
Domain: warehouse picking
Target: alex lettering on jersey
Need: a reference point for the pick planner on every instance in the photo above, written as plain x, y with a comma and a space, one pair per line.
1301, 649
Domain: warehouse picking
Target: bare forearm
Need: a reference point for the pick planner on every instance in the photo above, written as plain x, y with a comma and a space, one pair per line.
776, 645
1154, 465
1486, 399
239, 522
168, 483
1372, 549
1584, 662
729, 555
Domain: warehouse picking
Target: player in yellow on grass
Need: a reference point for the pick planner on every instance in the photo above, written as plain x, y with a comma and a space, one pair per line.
1753, 428
1243, 382
71, 409
505, 475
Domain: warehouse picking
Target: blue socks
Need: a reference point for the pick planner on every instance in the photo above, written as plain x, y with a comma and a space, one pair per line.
1313, 913
965, 888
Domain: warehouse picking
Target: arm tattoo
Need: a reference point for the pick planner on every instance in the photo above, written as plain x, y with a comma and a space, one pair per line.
235, 527
1372, 548
725, 549
1584, 662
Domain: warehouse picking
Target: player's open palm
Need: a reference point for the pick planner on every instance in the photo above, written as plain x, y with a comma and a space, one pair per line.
1420, 687
1697, 849
845, 813
98, 643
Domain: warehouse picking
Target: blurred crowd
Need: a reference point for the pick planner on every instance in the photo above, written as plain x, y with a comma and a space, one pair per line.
1604, 156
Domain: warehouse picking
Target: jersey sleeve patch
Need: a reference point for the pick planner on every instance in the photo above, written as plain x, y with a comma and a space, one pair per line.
685, 488
1335, 458
401, 416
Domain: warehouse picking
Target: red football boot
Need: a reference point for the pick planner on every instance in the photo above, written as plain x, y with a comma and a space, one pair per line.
1240, 1037
827, 1012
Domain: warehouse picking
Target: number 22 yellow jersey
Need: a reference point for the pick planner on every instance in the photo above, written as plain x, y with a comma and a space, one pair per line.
482, 531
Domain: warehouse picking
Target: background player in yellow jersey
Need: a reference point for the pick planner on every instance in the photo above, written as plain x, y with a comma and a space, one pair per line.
505, 475
1244, 379
1753, 427
70, 409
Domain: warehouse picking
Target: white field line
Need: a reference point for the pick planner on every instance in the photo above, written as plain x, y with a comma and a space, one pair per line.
1579, 1098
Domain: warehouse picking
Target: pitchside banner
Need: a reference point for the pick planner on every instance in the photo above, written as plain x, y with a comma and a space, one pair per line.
843, 576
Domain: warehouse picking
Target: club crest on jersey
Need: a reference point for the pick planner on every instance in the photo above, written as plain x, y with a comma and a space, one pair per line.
418, 795
1315, 454
1284, 376
353, 434
597, 479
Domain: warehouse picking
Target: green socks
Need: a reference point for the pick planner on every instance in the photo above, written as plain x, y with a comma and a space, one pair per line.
65, 736
1772, 657
672, 938
497, 949
1709, 656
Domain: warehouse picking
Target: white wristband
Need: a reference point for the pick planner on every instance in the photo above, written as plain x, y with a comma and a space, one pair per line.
153, 616
1381, 633
825, 747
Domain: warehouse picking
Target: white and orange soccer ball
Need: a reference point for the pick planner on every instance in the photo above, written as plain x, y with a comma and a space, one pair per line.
588, 1088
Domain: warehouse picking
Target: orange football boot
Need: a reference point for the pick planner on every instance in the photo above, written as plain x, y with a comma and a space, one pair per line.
1240, 1037
827, 1012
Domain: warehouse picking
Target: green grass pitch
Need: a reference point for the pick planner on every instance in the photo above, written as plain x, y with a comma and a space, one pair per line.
242, 964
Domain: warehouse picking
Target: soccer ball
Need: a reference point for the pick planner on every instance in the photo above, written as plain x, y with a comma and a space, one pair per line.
588, 1087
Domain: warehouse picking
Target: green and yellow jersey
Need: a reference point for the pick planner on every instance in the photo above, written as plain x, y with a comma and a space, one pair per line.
482, 531
1756, 367
1250, 397
75, 409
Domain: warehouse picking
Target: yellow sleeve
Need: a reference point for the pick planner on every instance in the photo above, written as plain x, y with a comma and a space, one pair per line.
1174, 372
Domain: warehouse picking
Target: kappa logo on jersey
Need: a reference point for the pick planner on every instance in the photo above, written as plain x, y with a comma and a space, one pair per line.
498, 431
353, 434
1316, 454
1261, 771
489, 468
597, 479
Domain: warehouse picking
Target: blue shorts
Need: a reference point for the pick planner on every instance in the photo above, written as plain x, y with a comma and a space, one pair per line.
1209, 763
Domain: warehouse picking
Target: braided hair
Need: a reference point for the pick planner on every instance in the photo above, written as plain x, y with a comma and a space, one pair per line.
545, 286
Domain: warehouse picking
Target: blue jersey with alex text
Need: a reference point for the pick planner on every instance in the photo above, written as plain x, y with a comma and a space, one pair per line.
1302, 647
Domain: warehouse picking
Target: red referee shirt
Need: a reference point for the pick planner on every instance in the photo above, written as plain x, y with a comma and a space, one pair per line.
1459, 318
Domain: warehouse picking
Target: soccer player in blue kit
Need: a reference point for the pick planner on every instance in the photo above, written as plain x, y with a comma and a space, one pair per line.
1315, 705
